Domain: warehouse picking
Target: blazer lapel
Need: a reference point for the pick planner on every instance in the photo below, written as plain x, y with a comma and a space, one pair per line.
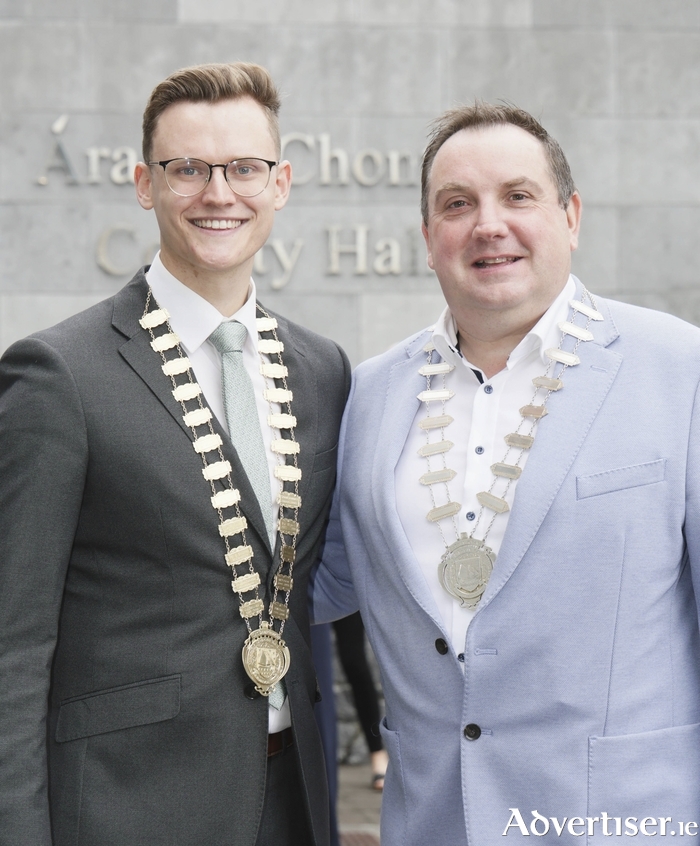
559, 438
128, 308
305, 407
400, 408
302, 382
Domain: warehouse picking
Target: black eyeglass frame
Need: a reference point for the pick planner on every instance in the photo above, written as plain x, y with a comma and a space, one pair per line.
211, 167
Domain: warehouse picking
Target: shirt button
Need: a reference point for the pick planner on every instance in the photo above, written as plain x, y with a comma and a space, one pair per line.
472, 731
471, 515
441, 646
479, 450
460, 657
488, 389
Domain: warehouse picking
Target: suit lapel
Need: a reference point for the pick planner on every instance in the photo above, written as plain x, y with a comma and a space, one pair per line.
400, 408
559, 438
302, 382
128, 308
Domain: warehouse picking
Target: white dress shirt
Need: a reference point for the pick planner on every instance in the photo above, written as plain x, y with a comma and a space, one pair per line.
483, 415
194, 319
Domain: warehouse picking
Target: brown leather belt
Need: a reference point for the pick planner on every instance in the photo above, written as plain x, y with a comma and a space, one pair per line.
279, 741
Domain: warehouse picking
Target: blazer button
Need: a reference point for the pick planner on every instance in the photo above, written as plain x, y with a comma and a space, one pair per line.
441, 646
472, 731
250, 691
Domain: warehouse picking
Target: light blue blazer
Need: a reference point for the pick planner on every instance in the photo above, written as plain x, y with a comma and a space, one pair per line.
582, 665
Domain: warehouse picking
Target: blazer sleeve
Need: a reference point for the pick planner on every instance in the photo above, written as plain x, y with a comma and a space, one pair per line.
43, 461
332, 594
692, 512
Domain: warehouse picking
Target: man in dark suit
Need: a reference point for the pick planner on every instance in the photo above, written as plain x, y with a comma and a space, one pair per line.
142, 700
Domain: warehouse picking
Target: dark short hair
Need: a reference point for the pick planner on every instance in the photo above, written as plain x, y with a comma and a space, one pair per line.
490, 114
212, 83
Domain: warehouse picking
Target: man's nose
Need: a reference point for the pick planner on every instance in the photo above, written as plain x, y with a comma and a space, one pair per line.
218, 190
490, 220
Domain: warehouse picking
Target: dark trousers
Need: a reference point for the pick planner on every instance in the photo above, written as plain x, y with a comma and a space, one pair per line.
284, 821
324, 711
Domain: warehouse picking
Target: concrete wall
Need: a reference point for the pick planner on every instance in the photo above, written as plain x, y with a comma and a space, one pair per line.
617, 81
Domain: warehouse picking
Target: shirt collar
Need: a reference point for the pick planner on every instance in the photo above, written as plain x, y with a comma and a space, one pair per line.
191, 316
543, 335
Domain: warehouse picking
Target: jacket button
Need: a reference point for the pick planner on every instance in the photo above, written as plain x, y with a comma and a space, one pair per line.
441, 646
472, 731
250, 691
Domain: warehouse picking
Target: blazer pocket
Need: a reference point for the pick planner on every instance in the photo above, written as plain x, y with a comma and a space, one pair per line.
394, 794
150, 701
326, 459
653, 773
620, 479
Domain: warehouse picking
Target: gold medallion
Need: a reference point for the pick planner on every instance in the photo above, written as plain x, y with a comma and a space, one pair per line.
465, 568
265, 658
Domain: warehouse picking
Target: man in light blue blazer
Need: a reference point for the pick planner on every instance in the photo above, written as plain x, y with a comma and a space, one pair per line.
518, 519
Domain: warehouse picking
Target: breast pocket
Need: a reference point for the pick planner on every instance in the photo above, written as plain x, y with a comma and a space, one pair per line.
326, 460
621, 478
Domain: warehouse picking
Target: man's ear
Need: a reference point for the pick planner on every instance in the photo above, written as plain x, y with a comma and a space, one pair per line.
144, 185
283, 183
426, 235
573, 217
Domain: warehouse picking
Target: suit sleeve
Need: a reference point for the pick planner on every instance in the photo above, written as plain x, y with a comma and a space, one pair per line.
43, 461
331, 588
692, 512
347, 372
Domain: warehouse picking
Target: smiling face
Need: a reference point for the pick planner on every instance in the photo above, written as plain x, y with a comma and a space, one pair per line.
497, 237
209, 241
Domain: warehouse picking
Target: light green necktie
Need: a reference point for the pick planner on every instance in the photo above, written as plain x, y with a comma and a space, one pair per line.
244, 430
242, 414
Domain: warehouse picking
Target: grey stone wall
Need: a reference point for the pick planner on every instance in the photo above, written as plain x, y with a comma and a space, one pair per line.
617, 81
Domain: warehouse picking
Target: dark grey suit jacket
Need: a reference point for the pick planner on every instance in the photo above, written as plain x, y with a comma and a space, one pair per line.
124, 719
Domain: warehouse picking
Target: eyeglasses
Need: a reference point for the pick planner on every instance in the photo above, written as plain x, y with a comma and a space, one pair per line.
188, 177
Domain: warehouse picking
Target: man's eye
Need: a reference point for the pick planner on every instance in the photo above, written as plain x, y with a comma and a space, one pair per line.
246, 169
518, 196
189, 170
